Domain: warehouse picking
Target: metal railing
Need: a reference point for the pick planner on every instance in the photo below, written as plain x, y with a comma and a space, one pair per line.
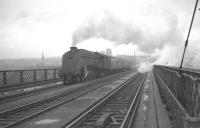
184, 89
15, 77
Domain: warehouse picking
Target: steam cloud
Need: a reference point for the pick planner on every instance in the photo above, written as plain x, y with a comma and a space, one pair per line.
113, 29
164, 46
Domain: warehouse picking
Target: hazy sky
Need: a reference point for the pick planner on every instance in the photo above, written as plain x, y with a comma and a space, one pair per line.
28, 27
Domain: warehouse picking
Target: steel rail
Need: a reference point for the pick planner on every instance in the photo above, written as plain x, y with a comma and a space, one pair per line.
94, 108
12, 117
21, 95
17, 96
26, 85
128, 120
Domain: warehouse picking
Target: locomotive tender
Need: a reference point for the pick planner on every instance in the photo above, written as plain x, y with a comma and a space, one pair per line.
80, 65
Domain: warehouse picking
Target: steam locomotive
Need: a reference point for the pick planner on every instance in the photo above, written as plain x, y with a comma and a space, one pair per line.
81, 65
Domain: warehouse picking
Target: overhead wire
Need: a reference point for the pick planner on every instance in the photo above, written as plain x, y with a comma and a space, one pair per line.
186, 42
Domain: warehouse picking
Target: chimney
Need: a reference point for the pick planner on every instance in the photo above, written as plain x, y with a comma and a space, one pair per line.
73, 49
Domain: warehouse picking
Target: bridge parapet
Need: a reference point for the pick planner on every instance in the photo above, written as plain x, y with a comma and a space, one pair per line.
16, 77
181, 88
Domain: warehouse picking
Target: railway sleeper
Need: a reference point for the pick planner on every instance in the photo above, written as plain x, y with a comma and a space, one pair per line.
103, 120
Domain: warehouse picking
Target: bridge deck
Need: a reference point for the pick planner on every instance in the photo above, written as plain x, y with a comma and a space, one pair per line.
150, 114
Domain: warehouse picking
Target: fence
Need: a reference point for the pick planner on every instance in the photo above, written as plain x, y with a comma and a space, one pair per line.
15, 77
183, 94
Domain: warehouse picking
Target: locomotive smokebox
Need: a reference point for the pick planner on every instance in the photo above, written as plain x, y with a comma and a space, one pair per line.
74, 49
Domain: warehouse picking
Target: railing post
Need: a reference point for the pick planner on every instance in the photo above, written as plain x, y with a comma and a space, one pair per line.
34, 76
54, 73
21, 76
4, 78
45, 74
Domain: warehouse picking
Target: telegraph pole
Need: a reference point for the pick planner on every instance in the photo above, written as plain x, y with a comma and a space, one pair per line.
186, 42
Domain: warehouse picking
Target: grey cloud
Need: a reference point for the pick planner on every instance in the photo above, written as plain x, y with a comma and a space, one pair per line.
3, 17
192, 56
24, 14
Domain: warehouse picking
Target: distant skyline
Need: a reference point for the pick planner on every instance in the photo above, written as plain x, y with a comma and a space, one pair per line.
147, 27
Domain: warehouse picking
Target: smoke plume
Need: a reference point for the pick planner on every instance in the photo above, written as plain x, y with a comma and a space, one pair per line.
112, 28
165, 45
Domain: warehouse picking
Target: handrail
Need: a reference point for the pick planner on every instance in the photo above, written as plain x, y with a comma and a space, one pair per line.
16, 77
184, 84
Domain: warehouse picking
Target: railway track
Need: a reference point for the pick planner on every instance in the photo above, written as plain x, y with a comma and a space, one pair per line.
17, 96
26, 85
20, 114
115, 110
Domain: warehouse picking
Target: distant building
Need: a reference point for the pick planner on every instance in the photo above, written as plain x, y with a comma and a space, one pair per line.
103, 52
108, 52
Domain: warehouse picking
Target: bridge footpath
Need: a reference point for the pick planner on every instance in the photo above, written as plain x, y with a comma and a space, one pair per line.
151, 112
